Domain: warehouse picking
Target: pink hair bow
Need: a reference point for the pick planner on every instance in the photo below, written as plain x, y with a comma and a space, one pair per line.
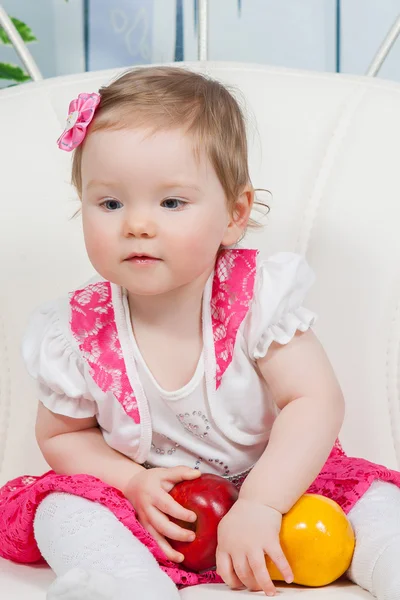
81, 112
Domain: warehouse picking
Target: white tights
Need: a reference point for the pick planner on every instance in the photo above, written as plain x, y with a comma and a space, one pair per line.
376, 522
96, 558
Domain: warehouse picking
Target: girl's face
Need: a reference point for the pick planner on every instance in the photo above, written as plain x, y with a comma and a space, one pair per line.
154, 216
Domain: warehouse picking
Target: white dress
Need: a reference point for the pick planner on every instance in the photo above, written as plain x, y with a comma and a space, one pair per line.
221, 420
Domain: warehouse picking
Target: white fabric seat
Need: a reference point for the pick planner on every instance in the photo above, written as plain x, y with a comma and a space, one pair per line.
19, 582
327, 146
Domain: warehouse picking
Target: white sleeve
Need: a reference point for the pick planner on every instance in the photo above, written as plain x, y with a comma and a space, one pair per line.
56, 366
277, 310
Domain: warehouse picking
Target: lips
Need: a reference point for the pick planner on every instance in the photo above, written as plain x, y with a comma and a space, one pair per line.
138, 258
140, 255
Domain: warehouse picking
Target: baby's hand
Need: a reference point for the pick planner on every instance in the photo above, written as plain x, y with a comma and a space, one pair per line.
148, 492
248, 532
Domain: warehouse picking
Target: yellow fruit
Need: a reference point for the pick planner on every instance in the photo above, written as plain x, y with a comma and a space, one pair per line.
317, 540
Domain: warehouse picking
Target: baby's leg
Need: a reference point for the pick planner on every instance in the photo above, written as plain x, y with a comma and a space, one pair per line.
376, 522
94, 556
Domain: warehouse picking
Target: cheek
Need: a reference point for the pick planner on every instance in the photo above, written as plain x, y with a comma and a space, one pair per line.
95, 236
207, 227
199, 235
199, 238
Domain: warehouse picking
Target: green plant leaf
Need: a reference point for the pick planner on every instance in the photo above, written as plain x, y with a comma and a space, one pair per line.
13, 73
24, 31
3, 37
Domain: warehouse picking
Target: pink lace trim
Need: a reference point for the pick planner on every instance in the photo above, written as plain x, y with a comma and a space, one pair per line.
93, 326
232, 293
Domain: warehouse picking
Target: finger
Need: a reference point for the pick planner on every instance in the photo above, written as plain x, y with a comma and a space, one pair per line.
244, 572
171, 507
260, 573
177, 474
279, 559
166, 527
164, 545
225, 570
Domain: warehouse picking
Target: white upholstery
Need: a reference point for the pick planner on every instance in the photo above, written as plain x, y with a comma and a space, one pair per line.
328, 148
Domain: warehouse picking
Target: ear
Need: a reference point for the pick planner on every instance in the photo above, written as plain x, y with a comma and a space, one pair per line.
239, 218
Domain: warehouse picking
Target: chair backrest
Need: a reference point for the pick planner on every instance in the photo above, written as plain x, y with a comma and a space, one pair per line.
327, 147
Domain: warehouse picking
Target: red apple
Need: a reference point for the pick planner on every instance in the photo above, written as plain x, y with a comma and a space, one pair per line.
210, 497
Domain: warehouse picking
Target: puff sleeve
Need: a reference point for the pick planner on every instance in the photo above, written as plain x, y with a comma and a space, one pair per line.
56, 366
277, 310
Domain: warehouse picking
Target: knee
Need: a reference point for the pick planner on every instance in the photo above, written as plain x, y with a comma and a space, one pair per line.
53, 503
55, 510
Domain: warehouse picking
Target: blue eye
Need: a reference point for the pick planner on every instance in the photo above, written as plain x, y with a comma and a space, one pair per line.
111, 205
173, 203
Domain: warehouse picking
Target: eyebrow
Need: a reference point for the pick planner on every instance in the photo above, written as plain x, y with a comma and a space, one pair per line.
95, 182
180, 184
166, 185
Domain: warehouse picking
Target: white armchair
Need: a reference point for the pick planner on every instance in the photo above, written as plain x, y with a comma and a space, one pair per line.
328, 148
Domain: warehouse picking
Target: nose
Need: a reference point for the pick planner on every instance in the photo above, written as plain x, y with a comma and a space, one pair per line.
139, 223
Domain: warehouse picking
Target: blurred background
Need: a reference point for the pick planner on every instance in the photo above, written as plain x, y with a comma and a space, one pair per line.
70, 36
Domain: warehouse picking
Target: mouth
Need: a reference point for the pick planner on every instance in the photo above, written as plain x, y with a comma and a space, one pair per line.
137, 258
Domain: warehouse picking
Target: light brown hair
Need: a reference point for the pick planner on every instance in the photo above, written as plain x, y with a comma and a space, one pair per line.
172, 97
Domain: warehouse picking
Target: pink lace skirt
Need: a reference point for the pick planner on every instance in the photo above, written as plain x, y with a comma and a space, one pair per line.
343, 479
